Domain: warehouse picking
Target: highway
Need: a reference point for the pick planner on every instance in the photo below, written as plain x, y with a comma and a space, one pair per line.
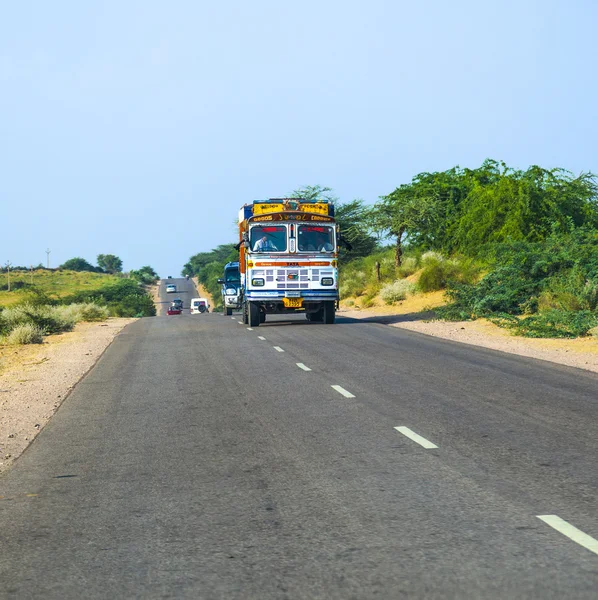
201, 458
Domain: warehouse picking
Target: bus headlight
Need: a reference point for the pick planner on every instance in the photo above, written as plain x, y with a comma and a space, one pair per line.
257, 282
327, 281
231, 291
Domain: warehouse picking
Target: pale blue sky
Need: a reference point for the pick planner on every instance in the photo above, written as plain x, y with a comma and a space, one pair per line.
139, 128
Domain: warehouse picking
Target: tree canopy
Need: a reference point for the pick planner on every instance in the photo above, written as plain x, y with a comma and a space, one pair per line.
352, 217
463, 210
78, 264
110, 263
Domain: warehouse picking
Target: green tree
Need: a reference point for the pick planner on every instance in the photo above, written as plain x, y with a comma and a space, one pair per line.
524, 206
352, 218
110, 263
421, 212
77, 264
145, 275
221, 254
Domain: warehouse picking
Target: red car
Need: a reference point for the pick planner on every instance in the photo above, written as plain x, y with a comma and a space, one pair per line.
172, 310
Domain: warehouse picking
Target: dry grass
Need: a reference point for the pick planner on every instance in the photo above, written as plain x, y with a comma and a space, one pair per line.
54, 284
414, 303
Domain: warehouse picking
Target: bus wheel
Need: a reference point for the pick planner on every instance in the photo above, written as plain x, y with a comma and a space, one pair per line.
329, 312
245, 313
316, 317
254, 314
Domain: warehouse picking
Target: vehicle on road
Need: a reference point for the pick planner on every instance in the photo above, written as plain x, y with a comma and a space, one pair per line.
288, 259
232, 295
177, 303
199, 305
170, 288
173, 310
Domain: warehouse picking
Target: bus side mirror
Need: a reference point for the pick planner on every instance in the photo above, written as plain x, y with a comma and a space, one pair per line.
221, 281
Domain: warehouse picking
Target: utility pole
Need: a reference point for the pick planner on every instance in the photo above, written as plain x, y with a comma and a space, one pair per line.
31, 274
8, 265
48, 253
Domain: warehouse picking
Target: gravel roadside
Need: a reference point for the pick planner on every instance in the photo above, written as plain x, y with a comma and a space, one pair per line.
33, 386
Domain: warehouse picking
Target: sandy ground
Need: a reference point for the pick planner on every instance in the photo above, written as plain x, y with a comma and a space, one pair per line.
34, 380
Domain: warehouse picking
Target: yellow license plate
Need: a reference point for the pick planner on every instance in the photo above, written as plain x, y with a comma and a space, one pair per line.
293, 302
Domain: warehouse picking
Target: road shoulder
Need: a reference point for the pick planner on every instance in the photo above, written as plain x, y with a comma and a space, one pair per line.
35, 383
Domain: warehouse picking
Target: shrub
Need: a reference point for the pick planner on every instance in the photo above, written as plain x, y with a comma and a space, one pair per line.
431, 258
26, 333
125, 298
556, 278
551, 324
353, 285
437, 273
396, 291
408, 266
93, 312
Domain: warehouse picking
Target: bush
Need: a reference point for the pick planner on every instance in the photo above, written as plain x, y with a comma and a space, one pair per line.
93, 312
409, 266
125, 298
26, 333
551, 324
49, 319
396, 291
354, 284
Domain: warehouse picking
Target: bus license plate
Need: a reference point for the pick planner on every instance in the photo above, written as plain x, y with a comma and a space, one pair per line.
293, 302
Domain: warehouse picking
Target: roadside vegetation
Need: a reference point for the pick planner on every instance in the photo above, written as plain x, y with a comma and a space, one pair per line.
518, 247
208, 267
41, 302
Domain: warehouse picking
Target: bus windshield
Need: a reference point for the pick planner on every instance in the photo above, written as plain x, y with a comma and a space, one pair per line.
269, 238
232, 275
315, 238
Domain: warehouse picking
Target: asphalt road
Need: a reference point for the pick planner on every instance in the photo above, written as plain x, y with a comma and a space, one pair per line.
200, 459
185, 290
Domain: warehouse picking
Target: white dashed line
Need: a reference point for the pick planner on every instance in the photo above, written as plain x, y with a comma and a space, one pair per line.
415, 437
278, 349
249, 329
233, 318
342, 391
579, 537
302, 366
261, 337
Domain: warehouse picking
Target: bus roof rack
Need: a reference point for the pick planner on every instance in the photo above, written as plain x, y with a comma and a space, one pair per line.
279, 200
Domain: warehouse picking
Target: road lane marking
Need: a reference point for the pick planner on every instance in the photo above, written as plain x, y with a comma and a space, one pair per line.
261, 337
278, 349
578, 536
342, 391
302, 366
422, 441
249, 329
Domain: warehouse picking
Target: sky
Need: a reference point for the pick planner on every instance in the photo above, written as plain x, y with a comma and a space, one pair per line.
139, 128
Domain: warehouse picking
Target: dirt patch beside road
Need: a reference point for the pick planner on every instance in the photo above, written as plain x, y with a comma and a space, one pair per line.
36, 379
